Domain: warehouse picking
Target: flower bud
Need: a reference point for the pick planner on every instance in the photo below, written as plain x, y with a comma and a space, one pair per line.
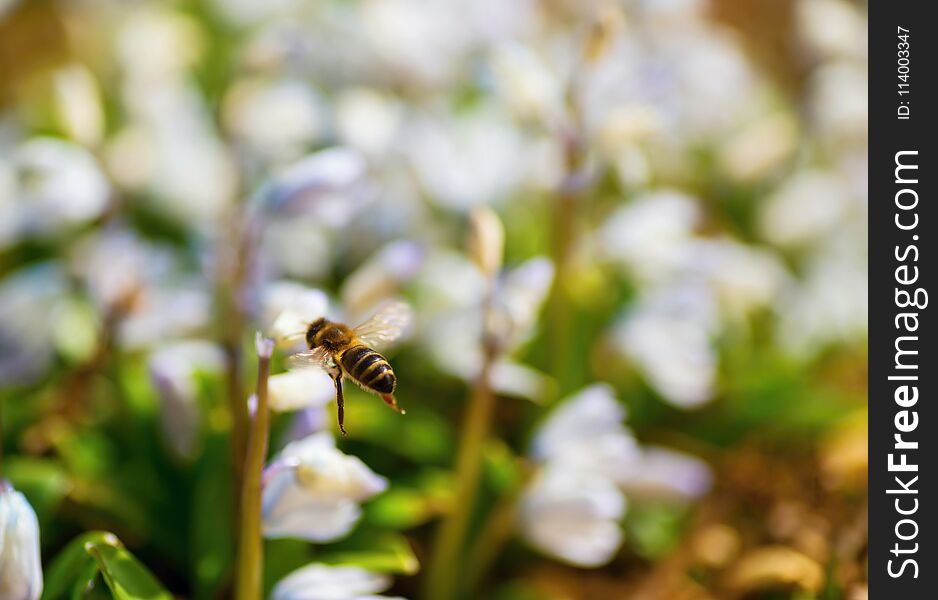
20, 565
486, 240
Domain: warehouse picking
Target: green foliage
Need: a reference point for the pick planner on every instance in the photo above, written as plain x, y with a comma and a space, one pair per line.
97, 557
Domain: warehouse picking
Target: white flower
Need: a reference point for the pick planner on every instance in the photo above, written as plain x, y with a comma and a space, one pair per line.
668, 337
6, 5
382, 275
665, 474
586, 433
742, 277
838, 102
156, 299
650, 235
20, 563
519, 297
761, 148
157, 44
572, 507
300, 388
806, 207
276, 118
173, 368
288, 307
115, 264
169, 147
526, 83
312, 490
78, 104
831, 303
832, 28
573, 516
61, 185
467, 159
329, 185
324, 582
368, 120
452, 288
296, 246
28, 298
588, 460
163, 312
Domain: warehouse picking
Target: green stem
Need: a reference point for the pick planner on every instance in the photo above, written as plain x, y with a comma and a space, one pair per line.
250, 565
498, 529
235, 255
441, 582
563, 242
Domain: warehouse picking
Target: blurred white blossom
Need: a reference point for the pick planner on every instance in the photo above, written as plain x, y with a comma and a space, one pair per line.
20, 563
839, 106
59, 184
300, 388
585, 433
807, 206
742, 277
668, 336
78, 104
288, 307
651, 235
589, 461
526, 83
27, 299
169, 145
573, 516
382, 275
665, 474
832, 28
324, 582
312, 490
466, 159
144, 284
451, 291
328, 185
830, 304
278, 119
368, 120
760, 148
174, 368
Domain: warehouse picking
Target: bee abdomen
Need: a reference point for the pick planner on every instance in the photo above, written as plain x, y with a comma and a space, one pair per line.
369, 368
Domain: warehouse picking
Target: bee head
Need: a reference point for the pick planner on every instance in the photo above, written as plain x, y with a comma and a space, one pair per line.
311, 332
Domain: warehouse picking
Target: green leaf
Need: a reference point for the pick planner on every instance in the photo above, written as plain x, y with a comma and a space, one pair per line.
77, 567
500, 466
411, 501
399, 508
382, 552
211, 541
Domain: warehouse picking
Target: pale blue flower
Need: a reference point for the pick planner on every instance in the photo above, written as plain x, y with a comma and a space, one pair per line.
324, 582
312, 490
20, 563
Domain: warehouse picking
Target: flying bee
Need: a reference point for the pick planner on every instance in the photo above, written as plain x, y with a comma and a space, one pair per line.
346, 352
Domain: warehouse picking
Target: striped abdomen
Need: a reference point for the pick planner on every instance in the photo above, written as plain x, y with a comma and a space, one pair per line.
369, 369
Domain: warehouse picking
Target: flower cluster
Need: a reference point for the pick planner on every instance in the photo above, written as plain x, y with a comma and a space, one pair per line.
588, 465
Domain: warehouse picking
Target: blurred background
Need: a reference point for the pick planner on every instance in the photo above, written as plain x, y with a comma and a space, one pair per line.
633, 235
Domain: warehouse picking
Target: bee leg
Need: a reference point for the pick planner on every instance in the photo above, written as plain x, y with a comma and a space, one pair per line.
390, 401
340, 402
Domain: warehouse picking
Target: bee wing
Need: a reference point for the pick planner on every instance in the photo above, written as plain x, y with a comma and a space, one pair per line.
386, 325
317, 358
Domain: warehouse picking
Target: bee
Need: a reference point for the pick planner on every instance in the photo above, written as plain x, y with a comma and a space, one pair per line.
347, 352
